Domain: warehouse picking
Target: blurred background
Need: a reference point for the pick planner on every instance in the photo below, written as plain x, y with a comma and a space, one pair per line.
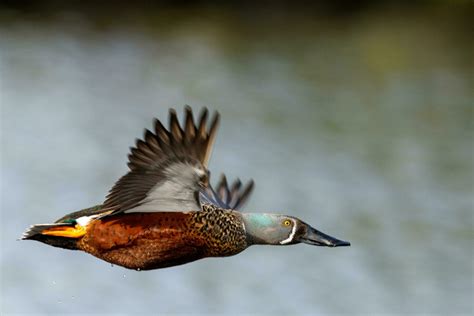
356, 116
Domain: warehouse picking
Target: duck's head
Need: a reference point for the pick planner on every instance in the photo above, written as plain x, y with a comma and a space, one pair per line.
274, 229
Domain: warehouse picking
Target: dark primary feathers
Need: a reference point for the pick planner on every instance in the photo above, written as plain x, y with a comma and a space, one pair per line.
233, 197
237, 196
193, 142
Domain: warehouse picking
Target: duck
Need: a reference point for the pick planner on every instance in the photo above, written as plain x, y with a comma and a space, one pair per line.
164, 212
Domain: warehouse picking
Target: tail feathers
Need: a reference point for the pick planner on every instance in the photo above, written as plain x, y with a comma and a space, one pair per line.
63, 235
38, 229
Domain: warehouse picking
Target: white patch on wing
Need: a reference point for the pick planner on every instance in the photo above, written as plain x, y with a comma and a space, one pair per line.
84, 220
199, 172
176, 193
292, 234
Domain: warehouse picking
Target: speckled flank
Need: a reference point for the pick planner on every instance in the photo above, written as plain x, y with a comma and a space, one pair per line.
157, 240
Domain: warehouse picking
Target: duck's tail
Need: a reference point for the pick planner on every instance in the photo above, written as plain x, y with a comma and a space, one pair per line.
62, 235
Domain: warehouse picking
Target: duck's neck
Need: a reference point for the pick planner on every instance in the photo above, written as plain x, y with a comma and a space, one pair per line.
262, 228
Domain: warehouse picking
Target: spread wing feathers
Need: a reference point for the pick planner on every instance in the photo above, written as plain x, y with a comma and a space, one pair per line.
167, 168
193, 141
225, 196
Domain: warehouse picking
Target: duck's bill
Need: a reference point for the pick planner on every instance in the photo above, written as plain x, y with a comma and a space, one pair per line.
317, 238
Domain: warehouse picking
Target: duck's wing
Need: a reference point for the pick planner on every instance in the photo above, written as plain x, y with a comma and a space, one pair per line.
94, 210
168, 168
233, 197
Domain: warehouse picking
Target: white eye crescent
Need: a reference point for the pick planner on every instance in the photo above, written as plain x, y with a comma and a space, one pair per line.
292, 234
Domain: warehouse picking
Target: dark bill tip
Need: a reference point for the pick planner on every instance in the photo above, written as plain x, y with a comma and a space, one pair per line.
341, 243
317, 238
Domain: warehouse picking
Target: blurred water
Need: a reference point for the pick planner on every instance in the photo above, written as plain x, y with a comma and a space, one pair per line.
362, 127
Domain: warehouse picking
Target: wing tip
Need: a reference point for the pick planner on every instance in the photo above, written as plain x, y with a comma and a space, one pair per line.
233, 197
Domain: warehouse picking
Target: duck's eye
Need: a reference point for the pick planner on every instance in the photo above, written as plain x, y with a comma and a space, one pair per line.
286, 222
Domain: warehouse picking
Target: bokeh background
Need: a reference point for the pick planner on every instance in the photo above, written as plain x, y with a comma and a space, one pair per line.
355, 116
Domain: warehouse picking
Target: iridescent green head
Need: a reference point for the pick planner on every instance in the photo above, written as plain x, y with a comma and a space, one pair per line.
274, 229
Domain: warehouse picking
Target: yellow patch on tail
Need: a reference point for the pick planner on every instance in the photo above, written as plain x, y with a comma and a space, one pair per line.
65, 231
